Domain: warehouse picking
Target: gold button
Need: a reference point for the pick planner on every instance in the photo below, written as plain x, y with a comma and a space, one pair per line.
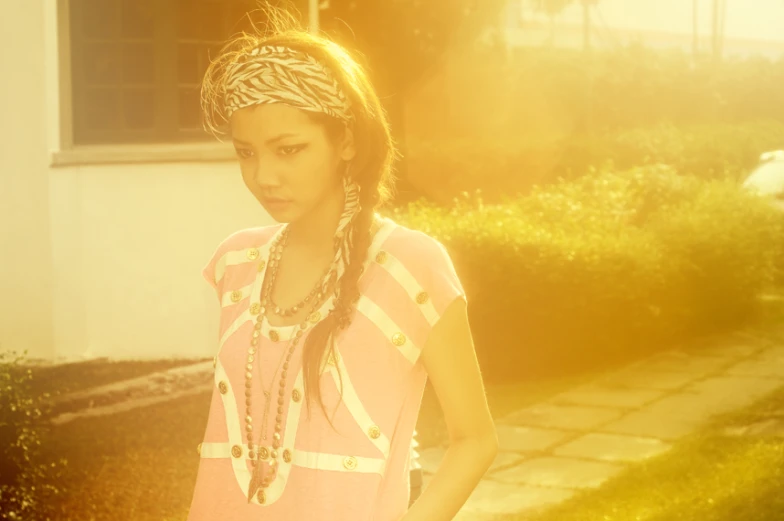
374, 432
295, 395
236, 295
236, 451
264, 453
314, 317
223, 387
261, 496
261, 265
274, 335
255, 308
287, 456
253, 253
381, 257
398, 339
215, 362
198, 449
422, 297
350, 463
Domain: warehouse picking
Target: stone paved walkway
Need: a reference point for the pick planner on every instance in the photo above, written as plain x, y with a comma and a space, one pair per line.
581, 438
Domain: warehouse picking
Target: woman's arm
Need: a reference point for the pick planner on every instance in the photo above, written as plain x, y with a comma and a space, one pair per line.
450, 361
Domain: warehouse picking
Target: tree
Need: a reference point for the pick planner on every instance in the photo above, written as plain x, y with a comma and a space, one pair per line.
553, 8
406, 40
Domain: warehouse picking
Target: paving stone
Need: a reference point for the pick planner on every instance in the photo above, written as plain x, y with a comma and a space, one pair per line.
505, 459
608, 397
640, 379
679, 414
493, 498
558, 472
612, 447
681, 362
514, 438
767, 364
736, 349
566, 417
431, 458
467, 515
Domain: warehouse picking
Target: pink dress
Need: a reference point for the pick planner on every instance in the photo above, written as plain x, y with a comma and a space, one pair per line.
360, 472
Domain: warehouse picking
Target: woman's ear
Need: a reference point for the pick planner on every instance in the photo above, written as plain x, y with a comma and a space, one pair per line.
347, 148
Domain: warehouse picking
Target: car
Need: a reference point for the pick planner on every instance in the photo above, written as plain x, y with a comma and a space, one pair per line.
768, 178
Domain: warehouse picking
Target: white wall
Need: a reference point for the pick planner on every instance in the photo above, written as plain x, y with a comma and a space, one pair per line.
26, 277
100, 260
129, 243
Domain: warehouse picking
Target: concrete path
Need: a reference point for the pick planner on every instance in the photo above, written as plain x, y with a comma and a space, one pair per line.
581, 438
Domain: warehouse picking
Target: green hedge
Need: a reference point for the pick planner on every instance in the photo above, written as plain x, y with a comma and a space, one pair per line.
442, 169
605, 268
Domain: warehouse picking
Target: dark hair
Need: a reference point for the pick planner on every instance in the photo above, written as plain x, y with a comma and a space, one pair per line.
371, 167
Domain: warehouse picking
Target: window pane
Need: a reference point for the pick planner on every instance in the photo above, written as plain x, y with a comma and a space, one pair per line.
99, 18
138, 63
101, 63
101, 109
139, 108
211, 20
187, 27
137, 18
188, 63
190, 110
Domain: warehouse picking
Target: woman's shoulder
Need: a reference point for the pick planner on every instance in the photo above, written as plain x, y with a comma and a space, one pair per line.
414, 246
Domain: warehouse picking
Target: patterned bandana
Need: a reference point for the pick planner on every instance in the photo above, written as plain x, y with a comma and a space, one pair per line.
273, 74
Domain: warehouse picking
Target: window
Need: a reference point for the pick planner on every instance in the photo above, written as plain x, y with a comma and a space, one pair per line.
137, 66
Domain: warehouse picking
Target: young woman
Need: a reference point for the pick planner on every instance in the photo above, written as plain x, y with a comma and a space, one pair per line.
332, 321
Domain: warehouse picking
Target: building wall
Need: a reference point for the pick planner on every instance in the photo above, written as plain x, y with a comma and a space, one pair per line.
26, 275
749, 30
100, 259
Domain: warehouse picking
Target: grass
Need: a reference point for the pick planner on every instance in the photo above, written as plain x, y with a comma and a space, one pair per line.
708, 476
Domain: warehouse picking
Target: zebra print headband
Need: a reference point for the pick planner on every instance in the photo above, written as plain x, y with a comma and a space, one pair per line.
274, 74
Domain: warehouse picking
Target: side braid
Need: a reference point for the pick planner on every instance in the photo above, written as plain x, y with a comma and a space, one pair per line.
322, 337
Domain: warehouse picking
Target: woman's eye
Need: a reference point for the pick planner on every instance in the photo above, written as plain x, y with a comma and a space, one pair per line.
244, 153
290, 150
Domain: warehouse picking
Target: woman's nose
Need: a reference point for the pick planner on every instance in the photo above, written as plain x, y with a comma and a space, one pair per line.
267, 174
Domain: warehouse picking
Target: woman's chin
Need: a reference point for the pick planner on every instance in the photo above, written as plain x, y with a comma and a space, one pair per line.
281, 212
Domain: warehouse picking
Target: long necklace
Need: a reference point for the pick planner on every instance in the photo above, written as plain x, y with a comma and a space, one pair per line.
259, 481
316, 293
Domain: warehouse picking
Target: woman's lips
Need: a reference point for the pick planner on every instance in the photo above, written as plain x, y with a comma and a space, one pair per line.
277, 203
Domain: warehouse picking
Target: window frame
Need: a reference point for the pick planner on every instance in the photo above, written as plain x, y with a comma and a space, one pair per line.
69, 153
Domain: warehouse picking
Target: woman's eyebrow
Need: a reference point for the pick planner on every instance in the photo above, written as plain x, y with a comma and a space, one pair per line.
268, 142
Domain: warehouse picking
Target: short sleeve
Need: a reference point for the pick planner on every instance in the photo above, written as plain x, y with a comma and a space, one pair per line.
436, 274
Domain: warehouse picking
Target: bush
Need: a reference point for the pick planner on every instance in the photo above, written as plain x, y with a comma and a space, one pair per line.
442, 170
605, 268
27, 483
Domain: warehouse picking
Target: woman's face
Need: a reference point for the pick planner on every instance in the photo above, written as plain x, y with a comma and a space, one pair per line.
288, 161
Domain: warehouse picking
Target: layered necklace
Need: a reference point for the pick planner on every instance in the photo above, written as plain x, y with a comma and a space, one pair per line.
259, 481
